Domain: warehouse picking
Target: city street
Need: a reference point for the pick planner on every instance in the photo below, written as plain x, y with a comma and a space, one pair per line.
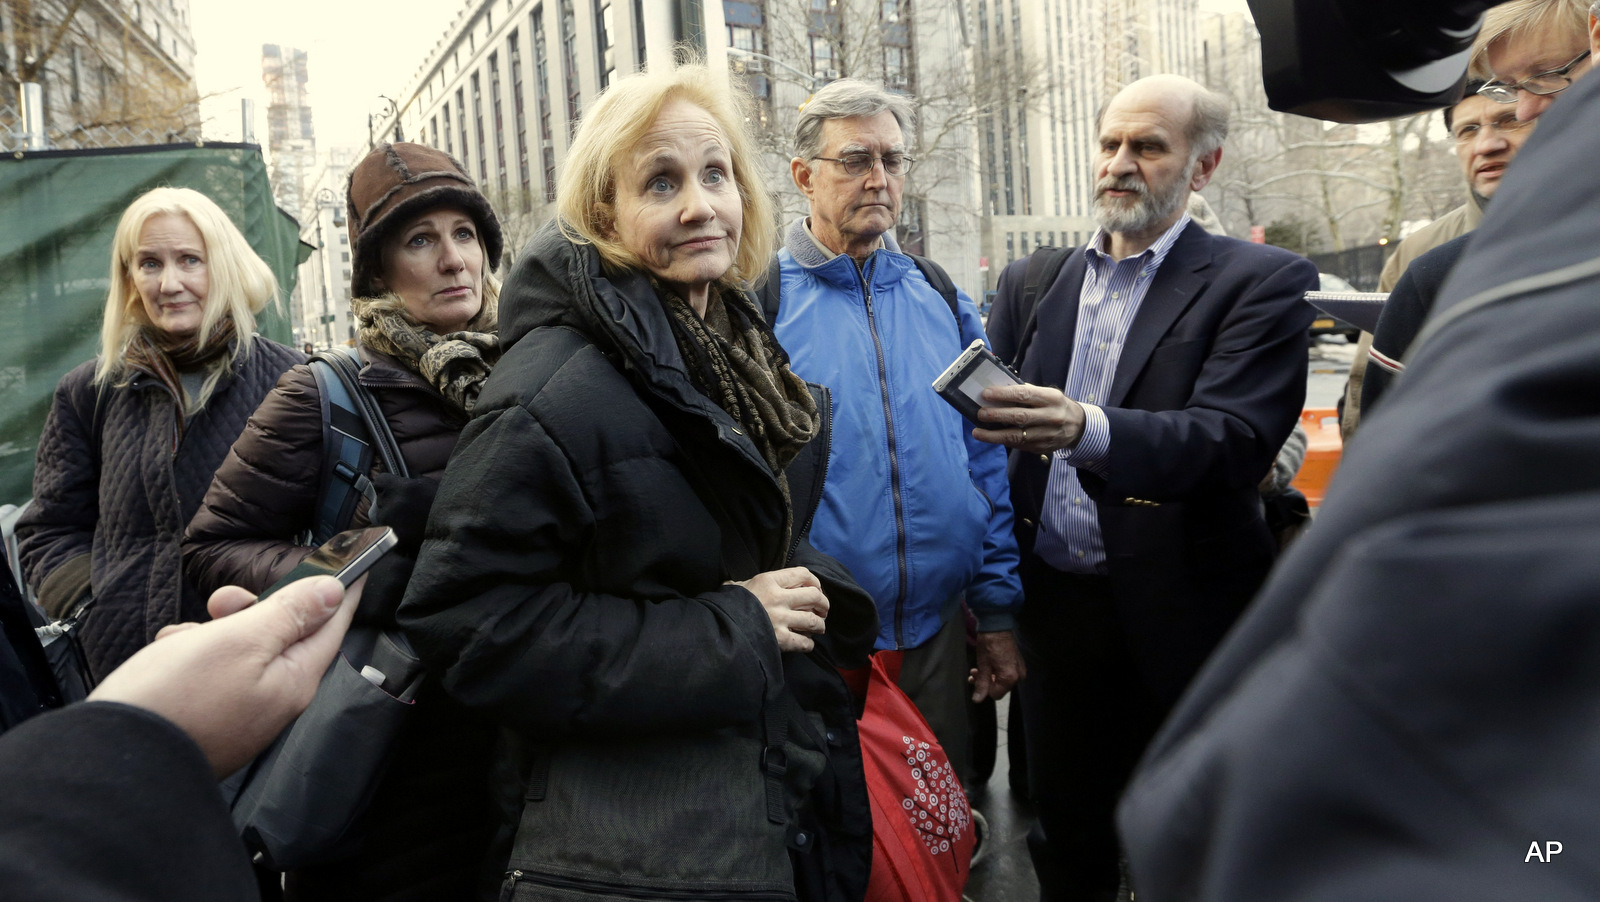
1329, 367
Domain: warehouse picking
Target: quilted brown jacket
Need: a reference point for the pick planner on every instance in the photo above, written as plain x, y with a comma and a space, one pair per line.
128, 526
265, 492
430, 819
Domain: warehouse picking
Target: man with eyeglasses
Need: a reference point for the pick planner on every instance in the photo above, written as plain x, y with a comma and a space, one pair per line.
1165, 368
913, 505
1534, 50
1486, 135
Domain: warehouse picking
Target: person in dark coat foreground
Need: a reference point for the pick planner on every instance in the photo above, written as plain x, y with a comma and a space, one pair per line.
1411, 707
116, 797
424, 239
616, 565
180, 370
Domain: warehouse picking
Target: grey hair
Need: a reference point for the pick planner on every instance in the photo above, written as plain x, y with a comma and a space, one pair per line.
1208, 122
846, 99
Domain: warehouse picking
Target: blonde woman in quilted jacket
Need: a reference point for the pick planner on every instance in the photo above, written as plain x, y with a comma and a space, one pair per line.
134, 436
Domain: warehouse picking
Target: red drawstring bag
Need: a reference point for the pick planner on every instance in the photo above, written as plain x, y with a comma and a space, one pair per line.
922, 833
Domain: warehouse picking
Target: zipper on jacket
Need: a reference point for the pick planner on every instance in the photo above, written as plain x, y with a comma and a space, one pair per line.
508, 889
894, 458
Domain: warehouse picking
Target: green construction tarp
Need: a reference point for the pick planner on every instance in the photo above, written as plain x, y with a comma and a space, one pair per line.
58, 211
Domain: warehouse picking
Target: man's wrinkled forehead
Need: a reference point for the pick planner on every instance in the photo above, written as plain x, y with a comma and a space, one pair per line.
879, 133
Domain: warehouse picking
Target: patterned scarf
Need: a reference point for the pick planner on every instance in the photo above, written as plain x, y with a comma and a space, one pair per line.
165, 357
733, 359
455, 363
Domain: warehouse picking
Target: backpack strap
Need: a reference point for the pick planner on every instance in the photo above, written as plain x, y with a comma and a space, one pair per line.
1044, 265
941, 282
353, 432
771, 293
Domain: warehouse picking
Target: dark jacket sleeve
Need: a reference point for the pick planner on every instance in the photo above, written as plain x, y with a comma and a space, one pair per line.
263, 495
1246, 399
852, 622
56, 534
107, 801
1404, 315
1003, 328
495, 605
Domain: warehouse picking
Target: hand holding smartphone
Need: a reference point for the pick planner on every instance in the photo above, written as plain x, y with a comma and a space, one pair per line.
963, 382
346, 557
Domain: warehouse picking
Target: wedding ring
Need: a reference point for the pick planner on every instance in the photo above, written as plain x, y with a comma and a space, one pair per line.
1024, 435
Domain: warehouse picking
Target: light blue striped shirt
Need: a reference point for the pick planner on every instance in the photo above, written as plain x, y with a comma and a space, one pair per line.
1069, 526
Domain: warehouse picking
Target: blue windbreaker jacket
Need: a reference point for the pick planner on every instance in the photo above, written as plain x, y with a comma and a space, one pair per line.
917, 509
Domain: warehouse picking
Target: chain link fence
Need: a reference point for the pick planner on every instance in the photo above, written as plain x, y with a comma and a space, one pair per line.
94, 136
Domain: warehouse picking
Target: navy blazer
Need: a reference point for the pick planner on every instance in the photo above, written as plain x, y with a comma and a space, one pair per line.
1209, 384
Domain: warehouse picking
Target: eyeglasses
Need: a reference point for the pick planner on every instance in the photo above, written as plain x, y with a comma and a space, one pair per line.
859, 164
1544, 84
1504, 124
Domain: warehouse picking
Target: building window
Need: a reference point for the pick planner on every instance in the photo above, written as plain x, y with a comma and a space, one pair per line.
477, 119
605, 41
461, 123
448, 146
638, 35
895, 71
433, 130
689, 27
541, 84
497, 110
823, 64
569, 64
519, 115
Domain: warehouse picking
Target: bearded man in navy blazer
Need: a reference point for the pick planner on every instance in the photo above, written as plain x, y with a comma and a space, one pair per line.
1165, 368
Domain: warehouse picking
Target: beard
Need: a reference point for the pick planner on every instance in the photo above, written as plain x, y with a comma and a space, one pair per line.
1145, 210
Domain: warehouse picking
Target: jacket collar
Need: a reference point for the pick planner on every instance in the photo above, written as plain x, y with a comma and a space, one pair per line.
888, 264
559, 283
1176, 285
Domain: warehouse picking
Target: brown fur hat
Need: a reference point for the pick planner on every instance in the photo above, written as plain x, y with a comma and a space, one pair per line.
396, 182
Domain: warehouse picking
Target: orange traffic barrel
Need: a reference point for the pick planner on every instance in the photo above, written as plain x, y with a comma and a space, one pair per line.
1323, 447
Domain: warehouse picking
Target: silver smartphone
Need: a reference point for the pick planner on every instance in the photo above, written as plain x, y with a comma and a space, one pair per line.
346, 556
963, 382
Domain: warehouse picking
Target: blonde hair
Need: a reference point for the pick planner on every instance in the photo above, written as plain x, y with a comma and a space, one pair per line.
618, 121
1521, 18
241, 284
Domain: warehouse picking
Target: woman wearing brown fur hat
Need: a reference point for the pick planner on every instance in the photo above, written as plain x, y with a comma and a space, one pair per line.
424, 240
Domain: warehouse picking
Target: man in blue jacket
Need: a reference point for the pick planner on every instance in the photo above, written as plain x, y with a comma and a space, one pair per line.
916, 508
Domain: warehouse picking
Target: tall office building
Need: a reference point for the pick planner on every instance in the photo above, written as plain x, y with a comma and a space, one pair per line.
320, 306
112, 73
1036, 175
506, 85
291, 140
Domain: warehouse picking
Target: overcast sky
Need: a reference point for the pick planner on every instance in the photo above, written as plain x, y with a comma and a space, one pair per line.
357, 50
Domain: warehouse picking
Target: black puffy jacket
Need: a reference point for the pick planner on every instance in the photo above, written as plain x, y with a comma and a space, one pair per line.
131, 523
574, 583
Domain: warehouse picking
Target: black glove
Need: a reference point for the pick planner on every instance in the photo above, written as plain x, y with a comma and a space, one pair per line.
402, 505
